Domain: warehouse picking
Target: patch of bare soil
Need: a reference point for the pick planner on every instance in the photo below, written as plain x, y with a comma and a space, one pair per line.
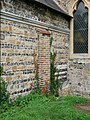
84, 107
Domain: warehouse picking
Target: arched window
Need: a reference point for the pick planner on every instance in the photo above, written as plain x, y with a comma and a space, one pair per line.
80, 25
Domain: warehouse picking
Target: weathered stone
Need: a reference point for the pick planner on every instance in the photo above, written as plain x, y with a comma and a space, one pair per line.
19, 40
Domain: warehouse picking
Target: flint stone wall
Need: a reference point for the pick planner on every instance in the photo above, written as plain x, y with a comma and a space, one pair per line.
79, 77
64, 4
21, 38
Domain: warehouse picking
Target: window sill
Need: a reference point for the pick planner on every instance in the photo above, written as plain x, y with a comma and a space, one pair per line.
72, 56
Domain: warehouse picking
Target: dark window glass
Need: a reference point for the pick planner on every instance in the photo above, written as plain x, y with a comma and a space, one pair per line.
81, 29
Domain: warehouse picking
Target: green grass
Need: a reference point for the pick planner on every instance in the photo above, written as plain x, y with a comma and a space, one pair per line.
39, 107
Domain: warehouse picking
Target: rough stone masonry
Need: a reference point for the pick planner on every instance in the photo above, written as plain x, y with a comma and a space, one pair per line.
24, 28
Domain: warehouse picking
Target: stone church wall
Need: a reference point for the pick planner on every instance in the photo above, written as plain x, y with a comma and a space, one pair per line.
22, 27
79, 76
64, 4
78, 70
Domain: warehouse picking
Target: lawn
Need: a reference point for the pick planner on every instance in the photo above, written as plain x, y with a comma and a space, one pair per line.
40, 107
